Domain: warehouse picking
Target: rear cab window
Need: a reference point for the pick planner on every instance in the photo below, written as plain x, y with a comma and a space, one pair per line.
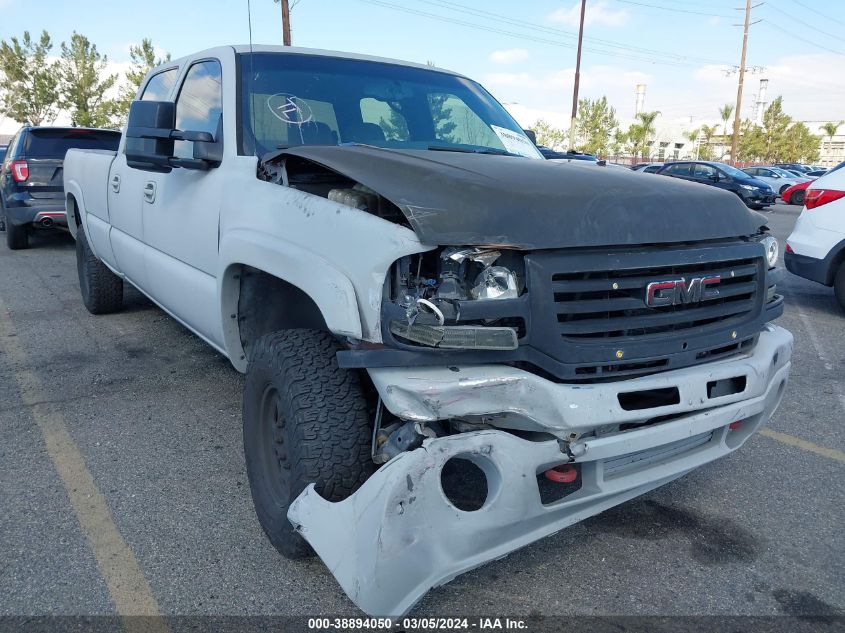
55, 142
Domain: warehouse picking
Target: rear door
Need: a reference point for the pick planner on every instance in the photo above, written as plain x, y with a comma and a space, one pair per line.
126, 194
44, 150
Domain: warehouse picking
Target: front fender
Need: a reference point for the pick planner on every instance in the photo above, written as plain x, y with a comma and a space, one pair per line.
330, 289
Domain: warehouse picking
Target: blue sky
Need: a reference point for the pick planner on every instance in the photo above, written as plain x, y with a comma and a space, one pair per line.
677, 48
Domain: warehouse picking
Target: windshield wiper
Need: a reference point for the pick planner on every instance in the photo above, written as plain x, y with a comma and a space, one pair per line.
466, 150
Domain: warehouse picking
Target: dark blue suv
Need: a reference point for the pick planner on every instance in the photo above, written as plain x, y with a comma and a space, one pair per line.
31, 193
754, 193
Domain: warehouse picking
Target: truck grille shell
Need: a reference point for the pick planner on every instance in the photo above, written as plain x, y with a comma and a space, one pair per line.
588, 307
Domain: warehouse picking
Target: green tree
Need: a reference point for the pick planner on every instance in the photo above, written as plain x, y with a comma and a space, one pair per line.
830, 130
725, 112
595, 125
775, 125
641, 134
799, 145
142, 59
83, 84
28, 82
705, 150
549, 135
618, 141
751, 145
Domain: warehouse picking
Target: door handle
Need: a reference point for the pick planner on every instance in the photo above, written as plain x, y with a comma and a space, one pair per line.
115, 183
150, 192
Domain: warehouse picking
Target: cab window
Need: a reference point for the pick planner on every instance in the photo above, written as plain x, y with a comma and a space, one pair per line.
159, 86
199, 105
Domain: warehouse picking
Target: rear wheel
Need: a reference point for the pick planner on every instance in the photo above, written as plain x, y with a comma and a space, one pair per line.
782, 189
798, 198
839, 285
102, 290
305, 421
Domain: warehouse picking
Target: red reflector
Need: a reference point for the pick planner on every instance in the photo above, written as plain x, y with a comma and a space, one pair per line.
788, 248
563, 474
735, 426
20, 170
818, 197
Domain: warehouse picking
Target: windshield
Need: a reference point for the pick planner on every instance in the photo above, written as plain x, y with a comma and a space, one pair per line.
289, 100
733, 172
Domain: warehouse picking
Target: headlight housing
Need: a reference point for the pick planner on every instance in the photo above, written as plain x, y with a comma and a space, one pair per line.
772, 248
749, 187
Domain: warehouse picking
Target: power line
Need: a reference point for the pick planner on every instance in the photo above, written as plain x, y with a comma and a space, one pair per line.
491, 29
815, 28
798, 37
676, 10
801, 4
497, 17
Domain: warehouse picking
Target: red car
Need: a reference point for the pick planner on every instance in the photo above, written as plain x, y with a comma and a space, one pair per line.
796, 193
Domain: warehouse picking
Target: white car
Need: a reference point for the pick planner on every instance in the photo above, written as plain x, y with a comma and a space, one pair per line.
648, 168
778, 179
816, 248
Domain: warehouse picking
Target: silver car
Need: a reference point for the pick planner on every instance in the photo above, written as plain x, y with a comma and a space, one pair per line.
779, 179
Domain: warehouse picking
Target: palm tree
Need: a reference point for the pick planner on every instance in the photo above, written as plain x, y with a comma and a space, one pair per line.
646, 127
725, 112
692, 135
830, 129
704, 148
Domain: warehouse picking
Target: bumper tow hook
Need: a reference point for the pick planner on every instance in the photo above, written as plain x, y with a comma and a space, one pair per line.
563, 474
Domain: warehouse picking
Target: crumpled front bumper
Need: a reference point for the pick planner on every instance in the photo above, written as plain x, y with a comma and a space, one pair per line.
399, 535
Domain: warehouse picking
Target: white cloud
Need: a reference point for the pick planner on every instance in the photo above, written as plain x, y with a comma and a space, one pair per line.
597, 13
509, 56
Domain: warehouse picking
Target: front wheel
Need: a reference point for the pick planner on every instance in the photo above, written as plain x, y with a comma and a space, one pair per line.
305, 421
839, 285
102, 290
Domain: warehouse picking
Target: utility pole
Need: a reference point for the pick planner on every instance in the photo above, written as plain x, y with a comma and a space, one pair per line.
286, 23
737, 117
578, 78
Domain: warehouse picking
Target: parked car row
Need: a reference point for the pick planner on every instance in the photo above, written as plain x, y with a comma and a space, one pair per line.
31, 192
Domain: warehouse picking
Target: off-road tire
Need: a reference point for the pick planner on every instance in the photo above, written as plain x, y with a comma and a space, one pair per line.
839, 285
798, 198
17, 236
102, 290
304, 420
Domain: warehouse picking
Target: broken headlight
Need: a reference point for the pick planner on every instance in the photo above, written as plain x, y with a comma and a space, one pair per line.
432, 288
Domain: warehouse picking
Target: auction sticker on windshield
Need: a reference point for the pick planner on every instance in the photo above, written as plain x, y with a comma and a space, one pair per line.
516, 143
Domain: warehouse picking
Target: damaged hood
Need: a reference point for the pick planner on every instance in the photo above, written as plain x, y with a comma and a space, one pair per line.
461, 199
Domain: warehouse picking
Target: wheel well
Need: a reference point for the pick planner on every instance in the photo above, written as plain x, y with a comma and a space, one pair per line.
268, 304
836, 261
72, 210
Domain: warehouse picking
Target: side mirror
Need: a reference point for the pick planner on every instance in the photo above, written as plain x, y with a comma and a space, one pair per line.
149, 145
532, 135
150, 137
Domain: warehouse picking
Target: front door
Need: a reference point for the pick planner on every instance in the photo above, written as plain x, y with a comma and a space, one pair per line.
181, 212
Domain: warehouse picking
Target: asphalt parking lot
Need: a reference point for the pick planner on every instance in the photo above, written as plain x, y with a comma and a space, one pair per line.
123, 490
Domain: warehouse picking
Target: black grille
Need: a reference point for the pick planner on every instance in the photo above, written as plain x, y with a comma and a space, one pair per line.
588, 310
611, 303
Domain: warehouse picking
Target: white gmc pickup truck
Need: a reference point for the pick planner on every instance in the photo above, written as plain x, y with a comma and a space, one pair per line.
452, 346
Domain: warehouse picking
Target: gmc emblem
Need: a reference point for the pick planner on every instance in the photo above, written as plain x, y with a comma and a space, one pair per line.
681, 291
